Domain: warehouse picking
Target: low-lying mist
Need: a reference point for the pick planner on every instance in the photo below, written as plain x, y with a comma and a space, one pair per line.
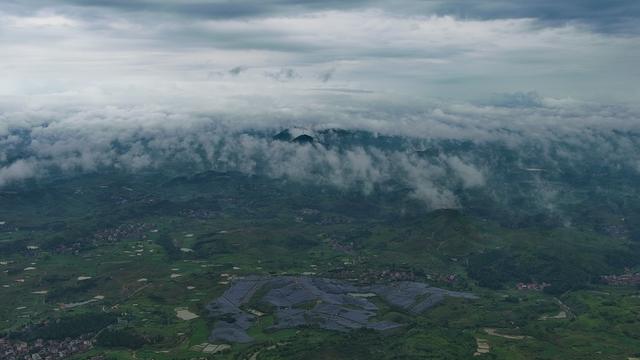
447, 155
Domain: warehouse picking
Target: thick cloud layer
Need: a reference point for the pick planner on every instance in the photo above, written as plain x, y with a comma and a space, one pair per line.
553, 133
611, 15
154, 84
453, 49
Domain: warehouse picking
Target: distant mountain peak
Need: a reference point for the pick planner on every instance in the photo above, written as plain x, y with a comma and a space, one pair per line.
303, 139
297, 135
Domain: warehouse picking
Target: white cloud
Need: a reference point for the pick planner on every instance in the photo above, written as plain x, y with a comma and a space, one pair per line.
39, 141
55, 54
46, 21
16, 171
83, 81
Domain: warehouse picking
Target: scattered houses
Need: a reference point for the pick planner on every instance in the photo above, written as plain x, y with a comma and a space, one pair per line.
41, 349
532, 286
185, 314
123, 232
211, 348
628, 278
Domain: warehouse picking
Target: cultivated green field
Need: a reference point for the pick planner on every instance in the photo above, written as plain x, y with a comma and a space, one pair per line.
116, 257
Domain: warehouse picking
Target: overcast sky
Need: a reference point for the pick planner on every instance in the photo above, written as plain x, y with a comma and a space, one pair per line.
182, 80
285, 53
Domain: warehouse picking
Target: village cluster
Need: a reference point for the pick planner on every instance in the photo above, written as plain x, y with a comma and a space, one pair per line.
43, 350
628, 278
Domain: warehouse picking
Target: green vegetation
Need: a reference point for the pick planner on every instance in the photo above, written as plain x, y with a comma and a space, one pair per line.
69, 326
177, 243
122, 338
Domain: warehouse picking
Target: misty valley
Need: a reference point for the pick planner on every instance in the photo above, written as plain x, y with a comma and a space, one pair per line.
319, 179
131, 263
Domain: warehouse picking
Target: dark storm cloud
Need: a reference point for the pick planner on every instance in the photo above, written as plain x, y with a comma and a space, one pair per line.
217, 9
284, 74
601, 15
326, 75
612, 16
237, 70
